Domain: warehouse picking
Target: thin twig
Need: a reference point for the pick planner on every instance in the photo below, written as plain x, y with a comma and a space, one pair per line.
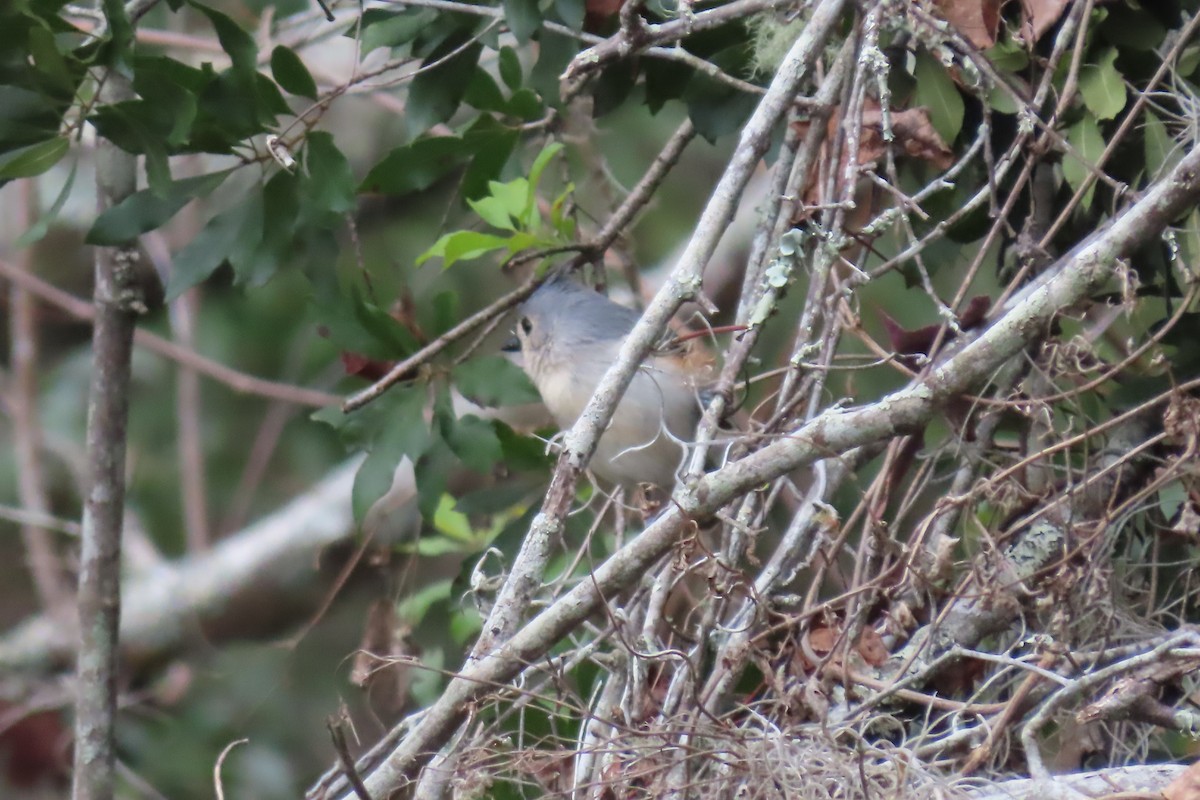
235, 380
49, 580
218, 784
347, 761
405, 368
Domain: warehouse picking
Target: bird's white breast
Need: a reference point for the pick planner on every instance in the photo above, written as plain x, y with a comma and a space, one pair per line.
641, 444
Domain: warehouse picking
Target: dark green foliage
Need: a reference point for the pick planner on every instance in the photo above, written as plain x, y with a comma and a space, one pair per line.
291, 74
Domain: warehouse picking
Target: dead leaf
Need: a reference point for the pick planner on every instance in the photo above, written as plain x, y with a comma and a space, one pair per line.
920, 340
367, 368
913, 135
871, 647
1186, 786
379, 663
975, 313
914, 131
597, 12
908, 342
1041, 16
33, 748
977, 20
821, 641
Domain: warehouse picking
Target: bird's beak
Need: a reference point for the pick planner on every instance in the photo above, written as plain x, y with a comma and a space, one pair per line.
511, 345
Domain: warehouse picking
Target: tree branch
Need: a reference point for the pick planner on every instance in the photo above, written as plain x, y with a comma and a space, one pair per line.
221, 591
118, 300
834, 432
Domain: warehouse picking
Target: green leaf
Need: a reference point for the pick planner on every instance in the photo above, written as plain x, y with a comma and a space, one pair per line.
715, 109
33, 160
416, 166
513, 198
523, 453
39, 228
330, 184
937, 92
291, 74
235, 41
1189, 59
144, 211
1171, 498
1007, 56
434, 546
526, 105
1130, 26
492, 144
436, 92
397, 340
119, 34
540, 163
1001, 101
529, 213
265, 243
445, 311
475, 442
510, 68
613, 87
493, 381
433, 471
571, 12
359, 326
414, 607
452, 523
382, 28
564, 226
1085, 137
1102, 87
524, 18
50, 63
200, 257
169, 93
462, 246
402, 433
465, 627
483, 93
1162, 152
554, 53
523, 239
494, 212
158, 168
664, 80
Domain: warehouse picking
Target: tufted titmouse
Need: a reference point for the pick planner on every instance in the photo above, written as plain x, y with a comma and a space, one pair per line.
568, 336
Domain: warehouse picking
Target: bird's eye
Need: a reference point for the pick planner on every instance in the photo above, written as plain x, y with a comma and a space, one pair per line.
526, 325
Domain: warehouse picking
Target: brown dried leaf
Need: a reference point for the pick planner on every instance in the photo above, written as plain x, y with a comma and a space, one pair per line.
821, 641
977, 20
368, 368
871, 648
908, 342
378, 640
33, 748
975, 313
597, 12
913, 135
1040, 16
552, 770
914, 131
379, 663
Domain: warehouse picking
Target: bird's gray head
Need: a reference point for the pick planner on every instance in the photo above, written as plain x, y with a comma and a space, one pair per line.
564, 317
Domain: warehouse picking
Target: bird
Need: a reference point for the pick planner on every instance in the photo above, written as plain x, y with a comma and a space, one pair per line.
567, 336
